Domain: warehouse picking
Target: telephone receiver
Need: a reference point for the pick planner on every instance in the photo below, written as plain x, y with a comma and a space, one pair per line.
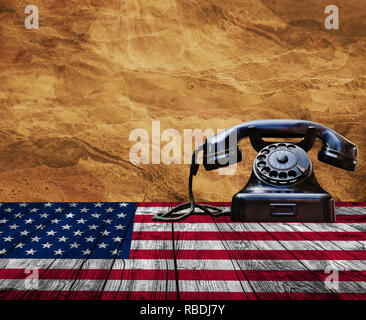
282, 186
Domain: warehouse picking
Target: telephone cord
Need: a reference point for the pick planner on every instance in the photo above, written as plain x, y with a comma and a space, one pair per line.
173, 215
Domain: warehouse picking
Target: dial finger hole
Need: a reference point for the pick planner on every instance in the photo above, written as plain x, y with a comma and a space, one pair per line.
282, 175
292, 174
266, 170
273, 174
261, 158
261, 164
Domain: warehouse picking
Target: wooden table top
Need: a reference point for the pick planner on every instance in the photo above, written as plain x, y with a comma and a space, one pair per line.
209, 258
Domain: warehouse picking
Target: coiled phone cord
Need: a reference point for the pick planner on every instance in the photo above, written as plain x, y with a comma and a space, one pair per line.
172, 215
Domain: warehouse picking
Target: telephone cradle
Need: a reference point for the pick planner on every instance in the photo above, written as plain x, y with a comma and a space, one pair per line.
282, 186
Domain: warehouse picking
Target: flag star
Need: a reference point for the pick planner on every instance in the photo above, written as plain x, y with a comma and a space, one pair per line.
62, 239
123, 204
46, 245
33, 210
44, 215
30, 220
8, 239
13, 227
121, 215
24, 233
102, 245
51, 233
23, 204
2, 251
96, 215
40, 226
114, 252
98, 204
84, 210
8, 210
59, 209
18, 215
90, 239
48, 204
105, 233
4, 221
119, 227
109, 209
70, 215
74, 245
81, 221
31, 251
20, 245
58, 252
66, 227
78, 233
108, 221
117, 239
55, 221
73, 204
36, 239
87, 251
93, 227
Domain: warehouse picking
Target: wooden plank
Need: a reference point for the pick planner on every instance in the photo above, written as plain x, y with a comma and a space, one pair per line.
243, 267
163, 283
56, 288
27, 263
324, 245
350, 210
202, 285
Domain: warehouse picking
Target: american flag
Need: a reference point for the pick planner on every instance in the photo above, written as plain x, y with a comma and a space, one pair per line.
115, 251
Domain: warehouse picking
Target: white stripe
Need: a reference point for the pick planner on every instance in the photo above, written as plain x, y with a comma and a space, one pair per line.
150, 210
270, 286
93, 285
182, 264
246, 245
350, 210
128, 264
188, 286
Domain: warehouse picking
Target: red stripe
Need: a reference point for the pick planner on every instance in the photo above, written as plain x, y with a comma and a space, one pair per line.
149, 295
351, 204
163, 275
91, 274
251, 254
270, 296
85, 295
351, 218
197, 218
250, 235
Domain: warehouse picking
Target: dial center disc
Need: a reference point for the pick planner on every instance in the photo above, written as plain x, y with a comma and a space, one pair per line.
282, 159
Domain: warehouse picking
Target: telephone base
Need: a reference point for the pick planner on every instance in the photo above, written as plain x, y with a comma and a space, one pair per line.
282, 207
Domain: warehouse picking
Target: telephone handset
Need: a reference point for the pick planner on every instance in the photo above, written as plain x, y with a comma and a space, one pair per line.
282, 186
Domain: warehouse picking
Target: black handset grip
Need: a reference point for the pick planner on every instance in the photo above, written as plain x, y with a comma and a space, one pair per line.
220, 149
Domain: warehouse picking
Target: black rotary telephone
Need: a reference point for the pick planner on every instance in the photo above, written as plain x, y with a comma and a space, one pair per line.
282, 186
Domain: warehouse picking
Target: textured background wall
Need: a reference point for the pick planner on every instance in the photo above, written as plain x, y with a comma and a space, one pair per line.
71, 92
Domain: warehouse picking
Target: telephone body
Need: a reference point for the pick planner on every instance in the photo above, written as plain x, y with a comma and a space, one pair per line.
282, 186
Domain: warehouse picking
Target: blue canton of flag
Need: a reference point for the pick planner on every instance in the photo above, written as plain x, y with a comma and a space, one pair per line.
66, 230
